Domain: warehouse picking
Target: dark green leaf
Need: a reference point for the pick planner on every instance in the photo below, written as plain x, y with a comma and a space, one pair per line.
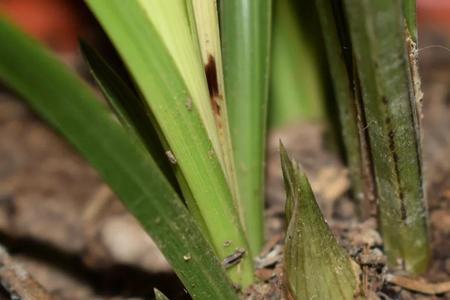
129, 108
348, 98
391, 101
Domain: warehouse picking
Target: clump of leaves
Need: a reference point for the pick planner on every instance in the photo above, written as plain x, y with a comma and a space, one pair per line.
187, 155
132, 173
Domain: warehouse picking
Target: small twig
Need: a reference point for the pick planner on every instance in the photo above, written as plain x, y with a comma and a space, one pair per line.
18, 282
419, 286
96, 203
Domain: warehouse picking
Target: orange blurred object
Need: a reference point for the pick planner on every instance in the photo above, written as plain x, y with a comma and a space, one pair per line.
57, 23
434, 14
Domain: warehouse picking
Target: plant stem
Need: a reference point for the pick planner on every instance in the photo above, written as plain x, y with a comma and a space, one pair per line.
245, 29
390, 106
297, 87
348, 97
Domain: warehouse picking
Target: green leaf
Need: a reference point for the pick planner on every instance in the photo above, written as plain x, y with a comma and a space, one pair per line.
245, 31
170, 20
138, 30
297, 90
348, 97
138, 119
316, 266
409, 11
69, 105
392, 110
205, 25
128, 107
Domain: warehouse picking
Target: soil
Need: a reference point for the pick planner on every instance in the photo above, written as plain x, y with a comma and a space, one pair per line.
71, 234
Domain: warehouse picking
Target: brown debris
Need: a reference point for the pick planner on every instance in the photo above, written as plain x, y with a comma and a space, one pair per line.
419, 285
271, 254
18, 282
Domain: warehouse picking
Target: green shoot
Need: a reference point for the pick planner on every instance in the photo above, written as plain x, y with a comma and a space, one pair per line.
316, 266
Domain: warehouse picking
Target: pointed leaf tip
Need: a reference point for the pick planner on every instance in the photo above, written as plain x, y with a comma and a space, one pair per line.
316, 266
159, 295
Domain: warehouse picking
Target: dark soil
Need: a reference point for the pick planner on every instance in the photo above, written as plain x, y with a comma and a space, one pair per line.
66, 228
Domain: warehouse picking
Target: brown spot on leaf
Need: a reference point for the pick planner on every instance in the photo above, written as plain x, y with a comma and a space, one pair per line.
213, 84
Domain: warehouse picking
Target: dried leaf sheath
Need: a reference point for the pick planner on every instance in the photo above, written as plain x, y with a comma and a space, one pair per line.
316, 266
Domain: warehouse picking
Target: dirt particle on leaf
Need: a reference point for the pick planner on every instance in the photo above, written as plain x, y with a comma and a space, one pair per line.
187, 257
171, 157
211, 153
189, 103
227, 243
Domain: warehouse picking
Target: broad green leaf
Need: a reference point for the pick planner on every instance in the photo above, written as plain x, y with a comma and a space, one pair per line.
298, 88
157, 74
69, 105
392, 109
245, 32
316, 266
